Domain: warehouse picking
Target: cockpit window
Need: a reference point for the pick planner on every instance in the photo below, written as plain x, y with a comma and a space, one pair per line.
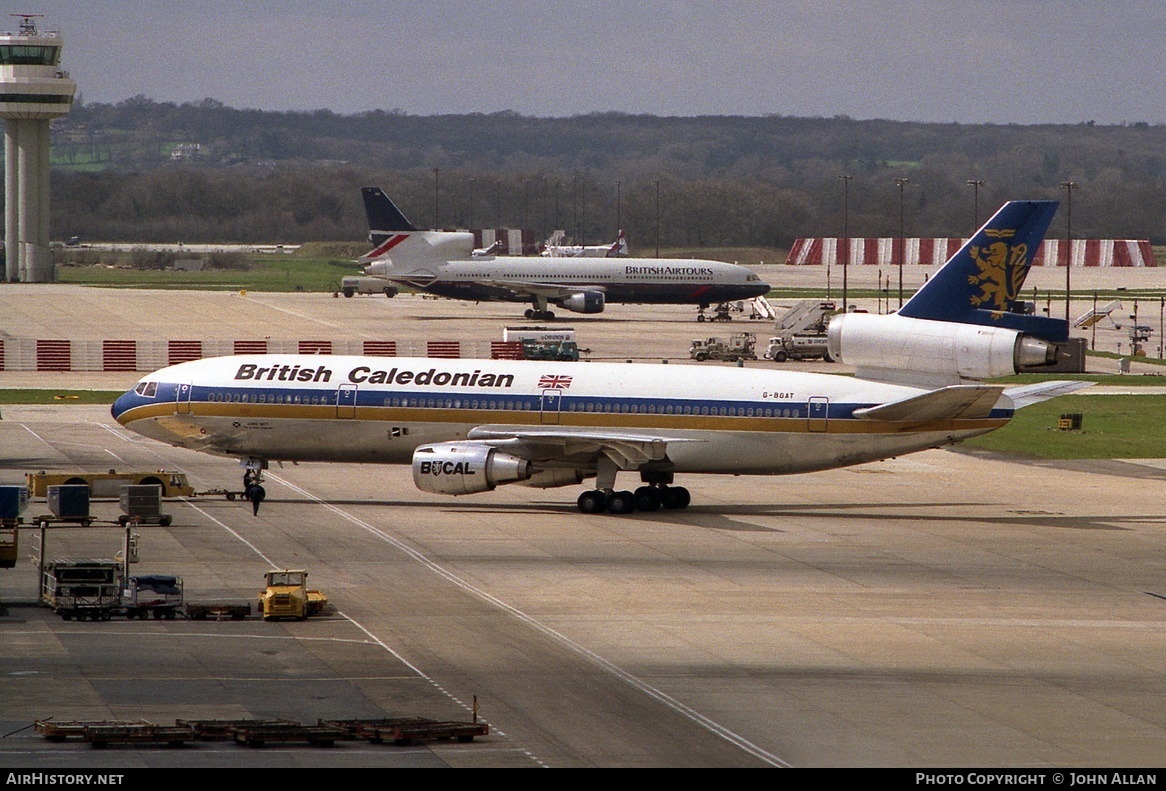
147, 389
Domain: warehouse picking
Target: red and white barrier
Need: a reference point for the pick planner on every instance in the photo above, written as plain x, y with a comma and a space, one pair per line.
444, 349
506, 350
928, 251
122, 355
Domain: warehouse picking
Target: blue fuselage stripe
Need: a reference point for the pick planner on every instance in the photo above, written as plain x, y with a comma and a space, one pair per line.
508, 401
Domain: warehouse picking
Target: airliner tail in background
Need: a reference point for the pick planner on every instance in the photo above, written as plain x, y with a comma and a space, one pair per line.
581, 280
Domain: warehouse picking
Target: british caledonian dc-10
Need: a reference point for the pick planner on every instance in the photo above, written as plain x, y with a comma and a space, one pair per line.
445, 263
469, 426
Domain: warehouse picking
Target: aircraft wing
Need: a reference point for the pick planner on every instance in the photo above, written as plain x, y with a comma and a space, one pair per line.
1026, 395
577, 445
548, 290
948, 403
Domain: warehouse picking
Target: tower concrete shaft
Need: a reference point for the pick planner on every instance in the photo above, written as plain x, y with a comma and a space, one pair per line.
33, 91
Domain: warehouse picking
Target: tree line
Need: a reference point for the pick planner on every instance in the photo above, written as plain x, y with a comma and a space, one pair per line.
260, 177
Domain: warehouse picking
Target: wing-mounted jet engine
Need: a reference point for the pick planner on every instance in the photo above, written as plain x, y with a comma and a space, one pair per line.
584, 302
465, 468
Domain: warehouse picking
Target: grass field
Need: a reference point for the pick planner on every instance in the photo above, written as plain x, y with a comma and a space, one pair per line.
314, 269
58, 396
1112, 427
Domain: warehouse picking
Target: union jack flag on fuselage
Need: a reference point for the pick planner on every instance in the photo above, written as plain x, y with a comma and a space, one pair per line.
554, 382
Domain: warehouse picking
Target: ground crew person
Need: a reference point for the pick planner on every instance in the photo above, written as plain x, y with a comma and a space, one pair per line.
255, 494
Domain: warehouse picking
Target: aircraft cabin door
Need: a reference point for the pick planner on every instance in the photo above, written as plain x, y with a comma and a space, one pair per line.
817, 413
182, 398
550, 406
346, 401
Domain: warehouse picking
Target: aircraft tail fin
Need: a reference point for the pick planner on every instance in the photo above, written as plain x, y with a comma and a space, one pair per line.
384, 218
981, 283
399, 242
619, 248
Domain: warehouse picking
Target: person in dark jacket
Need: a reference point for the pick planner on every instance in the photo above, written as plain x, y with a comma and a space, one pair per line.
255, 494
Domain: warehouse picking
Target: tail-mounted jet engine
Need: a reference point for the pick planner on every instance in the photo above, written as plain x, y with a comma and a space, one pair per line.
465, 468
893, 343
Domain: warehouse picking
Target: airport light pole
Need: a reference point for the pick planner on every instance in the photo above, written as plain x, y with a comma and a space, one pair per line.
845, 234
1068, 187
618, 219
902, 249
657, 219
574, 208
436, 201
582, 212
543, 208
975, 184
471, 203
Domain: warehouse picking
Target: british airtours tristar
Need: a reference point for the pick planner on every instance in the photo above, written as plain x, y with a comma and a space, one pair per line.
445, 263
468, 426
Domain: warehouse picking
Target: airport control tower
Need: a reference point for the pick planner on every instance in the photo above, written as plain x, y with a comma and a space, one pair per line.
33, 91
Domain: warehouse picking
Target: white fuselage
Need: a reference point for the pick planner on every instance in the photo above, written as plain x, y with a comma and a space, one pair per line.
619, 280
380, 409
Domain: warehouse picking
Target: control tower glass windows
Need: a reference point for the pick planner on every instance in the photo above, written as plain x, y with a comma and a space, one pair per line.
25, 55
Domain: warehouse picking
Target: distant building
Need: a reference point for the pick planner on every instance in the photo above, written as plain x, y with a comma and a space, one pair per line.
185, 151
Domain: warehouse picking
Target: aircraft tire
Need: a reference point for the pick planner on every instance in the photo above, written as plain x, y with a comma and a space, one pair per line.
592, 502
621, 502
676, 497
528, 313
648, 499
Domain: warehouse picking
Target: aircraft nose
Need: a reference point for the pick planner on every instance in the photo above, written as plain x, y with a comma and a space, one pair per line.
121, 405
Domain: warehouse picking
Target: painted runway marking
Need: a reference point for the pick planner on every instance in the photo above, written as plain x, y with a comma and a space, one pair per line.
654, 693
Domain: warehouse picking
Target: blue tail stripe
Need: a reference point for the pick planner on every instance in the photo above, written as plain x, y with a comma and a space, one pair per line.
982, 281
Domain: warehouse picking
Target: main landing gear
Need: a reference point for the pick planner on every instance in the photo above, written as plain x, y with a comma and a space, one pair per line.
656, 492
538, 310
645, 498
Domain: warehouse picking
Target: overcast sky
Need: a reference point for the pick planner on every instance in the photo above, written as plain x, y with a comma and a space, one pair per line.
968, 61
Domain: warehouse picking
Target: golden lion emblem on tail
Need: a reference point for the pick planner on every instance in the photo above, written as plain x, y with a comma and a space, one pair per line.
1001, 271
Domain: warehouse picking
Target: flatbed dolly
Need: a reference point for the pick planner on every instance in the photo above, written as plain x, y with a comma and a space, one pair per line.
403, 731
315, 735
224, 730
